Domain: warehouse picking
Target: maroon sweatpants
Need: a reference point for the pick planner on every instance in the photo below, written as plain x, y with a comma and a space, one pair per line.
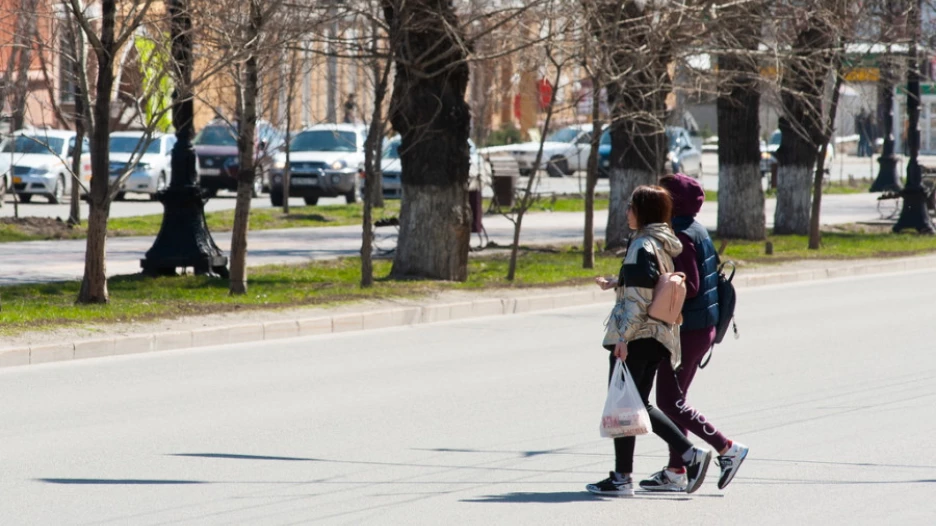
672, 390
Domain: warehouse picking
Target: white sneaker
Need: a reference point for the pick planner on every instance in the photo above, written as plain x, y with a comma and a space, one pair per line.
730, 462
665, 480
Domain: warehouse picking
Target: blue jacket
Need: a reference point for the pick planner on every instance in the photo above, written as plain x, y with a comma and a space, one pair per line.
700, 312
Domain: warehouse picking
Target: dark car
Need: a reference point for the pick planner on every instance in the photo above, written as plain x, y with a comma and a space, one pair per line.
218, 163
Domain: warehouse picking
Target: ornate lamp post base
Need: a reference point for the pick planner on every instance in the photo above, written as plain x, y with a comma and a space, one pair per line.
886, 180
184, 240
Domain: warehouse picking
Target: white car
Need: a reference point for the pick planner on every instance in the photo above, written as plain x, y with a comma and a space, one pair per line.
565, 151
479, 171
41, 163
326, 160
769, 150
152, 166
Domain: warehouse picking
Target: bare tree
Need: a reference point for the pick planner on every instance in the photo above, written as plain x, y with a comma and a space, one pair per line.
105, 37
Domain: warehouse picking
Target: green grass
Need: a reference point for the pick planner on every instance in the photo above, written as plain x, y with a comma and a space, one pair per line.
135, 298
835, 245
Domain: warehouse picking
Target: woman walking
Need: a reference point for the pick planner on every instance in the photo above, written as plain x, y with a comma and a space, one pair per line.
642, 342
699, 261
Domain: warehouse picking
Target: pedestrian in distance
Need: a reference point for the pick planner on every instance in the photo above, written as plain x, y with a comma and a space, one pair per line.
643, 342
699, 262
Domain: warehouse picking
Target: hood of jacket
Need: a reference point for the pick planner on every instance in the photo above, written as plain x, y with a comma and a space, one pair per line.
687, 193
665, 235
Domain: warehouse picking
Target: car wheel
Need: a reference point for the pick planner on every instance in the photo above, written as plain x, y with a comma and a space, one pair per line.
311, 201
210, 192
276, 198
58, 193
120, 196
557, 166
25, 198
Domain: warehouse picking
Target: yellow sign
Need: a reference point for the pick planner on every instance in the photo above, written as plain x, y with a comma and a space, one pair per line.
862, 75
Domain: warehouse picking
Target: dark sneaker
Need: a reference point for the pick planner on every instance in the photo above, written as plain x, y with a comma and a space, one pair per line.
696, 468
665, 480
730, 462
613, 486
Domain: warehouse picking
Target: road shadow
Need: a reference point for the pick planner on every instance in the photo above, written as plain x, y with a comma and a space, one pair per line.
119, 482
231, 456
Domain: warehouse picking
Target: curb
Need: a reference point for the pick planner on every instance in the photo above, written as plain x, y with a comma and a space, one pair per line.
395, 317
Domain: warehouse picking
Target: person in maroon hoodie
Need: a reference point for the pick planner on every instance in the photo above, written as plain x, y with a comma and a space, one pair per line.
699, 261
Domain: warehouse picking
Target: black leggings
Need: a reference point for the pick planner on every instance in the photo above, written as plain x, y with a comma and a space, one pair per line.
643, 359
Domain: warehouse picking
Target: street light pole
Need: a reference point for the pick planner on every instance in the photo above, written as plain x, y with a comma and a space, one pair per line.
914, 213
183, 240
887, 175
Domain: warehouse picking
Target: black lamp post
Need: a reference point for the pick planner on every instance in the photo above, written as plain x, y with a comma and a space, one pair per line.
887, 175
914, 213
183, 239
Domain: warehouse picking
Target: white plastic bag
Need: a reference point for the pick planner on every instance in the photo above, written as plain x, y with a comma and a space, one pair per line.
624, 413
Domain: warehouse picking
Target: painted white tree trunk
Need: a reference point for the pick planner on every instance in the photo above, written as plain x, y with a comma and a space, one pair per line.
741, 202
793, 200
418, 252
623, 182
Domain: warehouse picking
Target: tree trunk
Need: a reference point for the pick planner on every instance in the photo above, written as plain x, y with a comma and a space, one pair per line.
801, 128
623, 182
94, 283
815, 236
79, 65
247, 131
740, 191
373, 156
429, 111
591, 178
638, 101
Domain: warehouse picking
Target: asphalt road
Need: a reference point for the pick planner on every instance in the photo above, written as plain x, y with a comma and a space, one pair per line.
481, 422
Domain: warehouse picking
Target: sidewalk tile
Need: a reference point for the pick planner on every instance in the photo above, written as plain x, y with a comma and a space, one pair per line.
493, 307
313, 326
51, 353
273, 330
14, 357
168, 341
95, 348
347, 322
137, 343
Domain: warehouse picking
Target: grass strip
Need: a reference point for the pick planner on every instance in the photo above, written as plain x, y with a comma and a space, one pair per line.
135, 298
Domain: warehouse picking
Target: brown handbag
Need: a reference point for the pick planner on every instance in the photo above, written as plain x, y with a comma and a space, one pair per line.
669, 294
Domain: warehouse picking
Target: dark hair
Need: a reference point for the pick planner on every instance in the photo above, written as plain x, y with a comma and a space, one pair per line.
651, 204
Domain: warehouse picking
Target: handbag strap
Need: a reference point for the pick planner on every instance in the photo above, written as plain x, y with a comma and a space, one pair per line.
656, 254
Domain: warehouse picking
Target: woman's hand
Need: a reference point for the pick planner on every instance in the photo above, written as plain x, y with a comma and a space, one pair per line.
620, 350
606, 283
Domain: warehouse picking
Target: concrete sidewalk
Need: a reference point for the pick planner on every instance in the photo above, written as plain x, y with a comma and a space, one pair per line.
122, 339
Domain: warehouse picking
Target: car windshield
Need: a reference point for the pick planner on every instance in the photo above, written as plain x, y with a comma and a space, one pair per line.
606, 137
34, 144
131, 145
775, 138
392, 150
564, 135
217, 136
325, 141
